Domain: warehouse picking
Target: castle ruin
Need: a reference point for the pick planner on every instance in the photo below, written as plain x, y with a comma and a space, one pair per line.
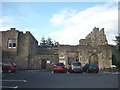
23, 49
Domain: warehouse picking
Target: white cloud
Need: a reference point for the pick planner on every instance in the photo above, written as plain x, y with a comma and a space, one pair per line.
77, 24
6, 19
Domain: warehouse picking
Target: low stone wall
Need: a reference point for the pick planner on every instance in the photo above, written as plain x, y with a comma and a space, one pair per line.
35, 62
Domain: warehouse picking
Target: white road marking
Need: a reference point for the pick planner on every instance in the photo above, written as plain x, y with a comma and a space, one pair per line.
14, 80
52, 72
67, 72
110, 73
9, 86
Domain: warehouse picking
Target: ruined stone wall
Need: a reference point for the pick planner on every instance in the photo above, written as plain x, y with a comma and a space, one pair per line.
67, 54
105, 56
47, 50
84, 52
36, 61
94, 49
28, 55
96, 37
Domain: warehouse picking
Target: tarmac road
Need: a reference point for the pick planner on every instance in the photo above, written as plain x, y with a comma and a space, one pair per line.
45, 79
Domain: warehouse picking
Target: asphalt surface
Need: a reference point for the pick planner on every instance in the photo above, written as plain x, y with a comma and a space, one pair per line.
45, 79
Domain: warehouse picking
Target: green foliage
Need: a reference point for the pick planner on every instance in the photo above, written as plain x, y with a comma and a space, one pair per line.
114, 60
117, 42
48, 42
43, 41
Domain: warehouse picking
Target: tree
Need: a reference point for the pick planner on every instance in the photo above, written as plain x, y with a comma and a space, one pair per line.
117, 42
118, 48
56, 43
49, 42
43, 41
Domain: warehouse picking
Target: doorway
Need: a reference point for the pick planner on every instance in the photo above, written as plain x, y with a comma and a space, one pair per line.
93, 59
43, 64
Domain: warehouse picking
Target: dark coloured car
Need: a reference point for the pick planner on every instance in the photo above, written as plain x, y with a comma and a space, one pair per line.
76, 67
59, 67
8, 67
91, 68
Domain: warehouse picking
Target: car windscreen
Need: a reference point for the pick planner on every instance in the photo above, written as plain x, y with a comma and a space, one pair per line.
59, 64
93, 65
76, 64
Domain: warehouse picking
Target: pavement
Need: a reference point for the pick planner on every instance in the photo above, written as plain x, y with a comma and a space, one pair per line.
48, 79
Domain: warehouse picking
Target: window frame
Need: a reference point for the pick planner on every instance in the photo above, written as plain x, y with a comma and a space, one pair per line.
11, 43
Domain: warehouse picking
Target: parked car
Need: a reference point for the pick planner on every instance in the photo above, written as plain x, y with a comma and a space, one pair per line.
91, 68
76, 67
8, 67
59, 67
112, 66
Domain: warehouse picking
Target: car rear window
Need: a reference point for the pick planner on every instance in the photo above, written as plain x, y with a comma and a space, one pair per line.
93, 65
59, 64
13, 63
76, 64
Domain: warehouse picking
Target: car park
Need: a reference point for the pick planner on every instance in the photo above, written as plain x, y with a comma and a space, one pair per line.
76, 67
9, 67
59, 67
91, 68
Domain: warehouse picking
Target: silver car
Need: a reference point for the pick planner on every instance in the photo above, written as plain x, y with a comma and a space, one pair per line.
76, 67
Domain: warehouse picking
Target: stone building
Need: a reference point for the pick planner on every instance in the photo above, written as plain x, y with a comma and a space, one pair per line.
18, 47
94, 49
23, 49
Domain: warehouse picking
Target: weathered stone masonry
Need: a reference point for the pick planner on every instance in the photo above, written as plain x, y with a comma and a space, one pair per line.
22, 48
94, 49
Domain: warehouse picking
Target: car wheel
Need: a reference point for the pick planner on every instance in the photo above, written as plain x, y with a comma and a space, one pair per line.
9, 70
81, 72
65, 71
96, 71
70, 71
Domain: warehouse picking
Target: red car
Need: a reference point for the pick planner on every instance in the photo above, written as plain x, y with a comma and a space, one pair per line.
8, 67
59, 67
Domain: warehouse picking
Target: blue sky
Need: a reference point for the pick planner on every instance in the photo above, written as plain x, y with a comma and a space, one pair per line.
58, 19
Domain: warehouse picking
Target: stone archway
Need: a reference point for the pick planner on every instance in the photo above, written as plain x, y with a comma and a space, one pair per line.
93, 59
43, 64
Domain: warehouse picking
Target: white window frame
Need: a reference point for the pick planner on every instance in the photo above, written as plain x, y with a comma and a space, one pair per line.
10, 41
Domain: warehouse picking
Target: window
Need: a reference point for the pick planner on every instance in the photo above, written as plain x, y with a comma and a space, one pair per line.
14, 43
11, 43
56, 51
59, 64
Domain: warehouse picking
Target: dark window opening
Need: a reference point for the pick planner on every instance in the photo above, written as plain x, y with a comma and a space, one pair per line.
56, 51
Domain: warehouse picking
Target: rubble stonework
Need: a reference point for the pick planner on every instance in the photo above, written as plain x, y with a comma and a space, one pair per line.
28, 54
94, 49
